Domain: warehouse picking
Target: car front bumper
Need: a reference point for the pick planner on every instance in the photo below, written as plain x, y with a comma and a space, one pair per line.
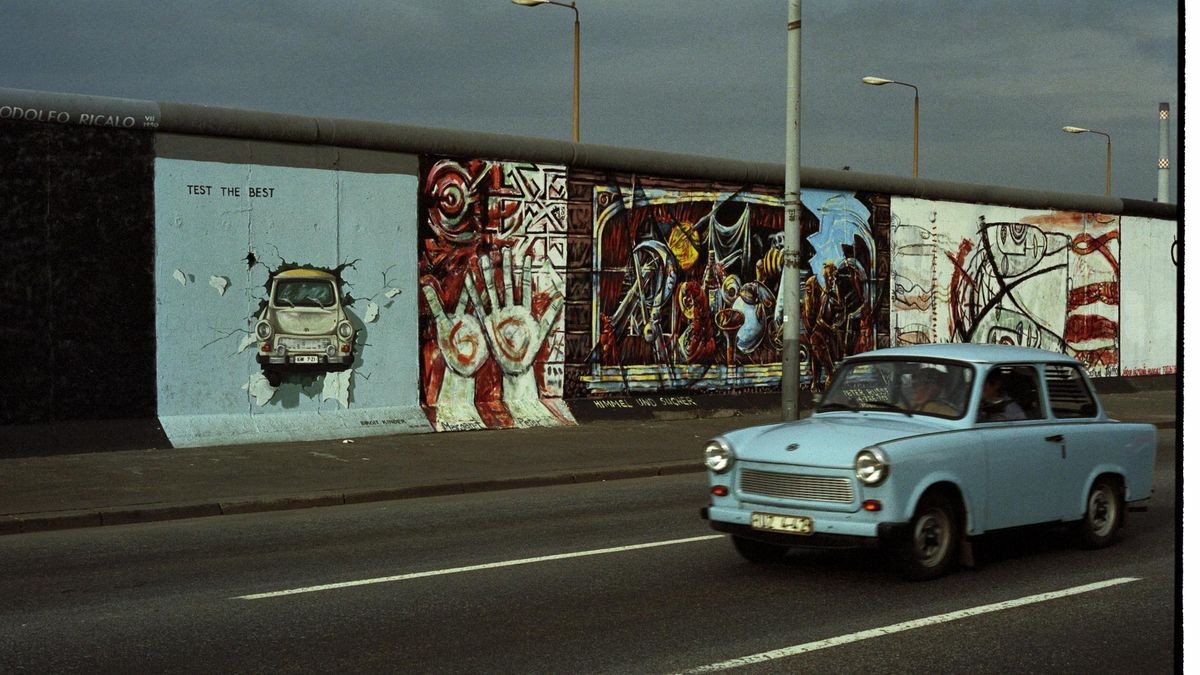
288, 361
830, 530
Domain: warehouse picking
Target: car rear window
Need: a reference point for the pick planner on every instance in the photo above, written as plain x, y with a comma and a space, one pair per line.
1069, 393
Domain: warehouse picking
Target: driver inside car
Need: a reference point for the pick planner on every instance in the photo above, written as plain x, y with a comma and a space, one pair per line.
927, 393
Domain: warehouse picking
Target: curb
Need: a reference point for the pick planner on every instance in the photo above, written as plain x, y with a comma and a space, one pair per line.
145, 513
68, 520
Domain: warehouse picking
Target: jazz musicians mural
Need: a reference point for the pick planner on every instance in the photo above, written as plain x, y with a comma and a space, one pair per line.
491, 266
968, 273
687, 278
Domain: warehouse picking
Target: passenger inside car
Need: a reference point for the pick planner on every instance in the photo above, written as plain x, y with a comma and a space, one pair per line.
996, 403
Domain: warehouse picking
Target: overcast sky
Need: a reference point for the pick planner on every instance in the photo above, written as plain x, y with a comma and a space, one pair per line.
998, 80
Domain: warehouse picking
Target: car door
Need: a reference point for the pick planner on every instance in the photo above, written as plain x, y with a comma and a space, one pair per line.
1084, 442
1025, 467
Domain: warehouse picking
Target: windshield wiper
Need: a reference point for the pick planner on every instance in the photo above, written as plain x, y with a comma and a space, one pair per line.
889, 406
836, 406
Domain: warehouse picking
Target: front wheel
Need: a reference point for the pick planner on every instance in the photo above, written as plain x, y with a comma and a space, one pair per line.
929, 547
1103, 515
759, 551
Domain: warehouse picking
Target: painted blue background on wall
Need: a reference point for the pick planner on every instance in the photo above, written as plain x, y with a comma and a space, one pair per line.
239, 223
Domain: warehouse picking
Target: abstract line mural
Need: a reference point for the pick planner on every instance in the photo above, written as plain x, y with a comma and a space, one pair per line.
967, 273
492, 263
687, 277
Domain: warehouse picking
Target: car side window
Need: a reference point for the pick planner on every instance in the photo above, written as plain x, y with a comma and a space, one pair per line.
1010, 393
1069, 393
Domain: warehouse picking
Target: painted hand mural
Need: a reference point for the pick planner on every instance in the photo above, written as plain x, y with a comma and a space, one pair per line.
495, 251
516, 336
461, 342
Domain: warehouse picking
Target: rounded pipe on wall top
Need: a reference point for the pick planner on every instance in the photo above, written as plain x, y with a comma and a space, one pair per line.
200, 120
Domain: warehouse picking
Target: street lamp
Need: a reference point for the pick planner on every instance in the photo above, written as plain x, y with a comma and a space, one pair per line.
1108, 164
878, 82
575, 100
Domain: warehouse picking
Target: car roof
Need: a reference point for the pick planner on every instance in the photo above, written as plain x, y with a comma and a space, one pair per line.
973, 353
304, 273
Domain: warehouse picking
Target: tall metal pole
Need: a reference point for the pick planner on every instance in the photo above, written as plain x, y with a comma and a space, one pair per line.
790, 383
1108, 161
1108, 167
575, 109
916, 127
1164, 163
575, 92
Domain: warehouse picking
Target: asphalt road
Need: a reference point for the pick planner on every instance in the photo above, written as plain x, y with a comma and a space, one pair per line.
618, 577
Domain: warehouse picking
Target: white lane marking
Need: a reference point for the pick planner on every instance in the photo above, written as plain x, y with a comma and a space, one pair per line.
475, 568
907, 625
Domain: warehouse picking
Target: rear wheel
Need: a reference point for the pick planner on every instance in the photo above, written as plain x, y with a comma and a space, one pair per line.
930, 545
1103, 515
759, 551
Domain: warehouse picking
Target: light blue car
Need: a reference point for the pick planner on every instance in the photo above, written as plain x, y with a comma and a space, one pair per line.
919, 448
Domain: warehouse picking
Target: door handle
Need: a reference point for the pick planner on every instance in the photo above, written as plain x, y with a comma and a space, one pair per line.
1056, 438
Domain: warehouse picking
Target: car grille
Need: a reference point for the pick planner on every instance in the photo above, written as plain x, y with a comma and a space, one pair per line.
794, 486
304, 344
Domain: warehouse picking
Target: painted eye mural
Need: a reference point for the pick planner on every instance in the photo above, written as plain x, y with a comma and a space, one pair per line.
491, 265
686, 281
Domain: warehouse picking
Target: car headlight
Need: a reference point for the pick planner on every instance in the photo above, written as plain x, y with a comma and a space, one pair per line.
263, 330
345, 330
718, 456
871, 465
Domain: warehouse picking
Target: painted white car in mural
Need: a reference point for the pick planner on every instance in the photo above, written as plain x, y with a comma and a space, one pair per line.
921, 448
303, 327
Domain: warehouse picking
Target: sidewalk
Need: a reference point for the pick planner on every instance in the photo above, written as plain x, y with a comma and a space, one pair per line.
111, 488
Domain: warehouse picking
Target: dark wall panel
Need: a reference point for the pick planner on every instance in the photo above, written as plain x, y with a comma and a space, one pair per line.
76, 273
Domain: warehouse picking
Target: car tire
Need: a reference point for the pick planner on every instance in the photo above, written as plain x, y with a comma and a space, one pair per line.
929, 547
1102, 514
274, 377
759, 551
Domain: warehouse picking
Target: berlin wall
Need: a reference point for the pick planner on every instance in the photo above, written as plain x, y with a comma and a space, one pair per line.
484, 281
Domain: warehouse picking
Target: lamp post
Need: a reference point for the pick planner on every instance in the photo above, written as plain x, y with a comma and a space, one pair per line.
1108, 163
878, 82
575, 100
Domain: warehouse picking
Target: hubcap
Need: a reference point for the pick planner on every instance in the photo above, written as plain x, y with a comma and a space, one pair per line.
931, 537
1102, 510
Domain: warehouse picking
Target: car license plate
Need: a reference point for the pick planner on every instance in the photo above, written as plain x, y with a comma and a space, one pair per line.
776, 523
304, 359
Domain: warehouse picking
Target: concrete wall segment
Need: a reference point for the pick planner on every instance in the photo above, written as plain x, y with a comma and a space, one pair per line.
183, 118
224, 228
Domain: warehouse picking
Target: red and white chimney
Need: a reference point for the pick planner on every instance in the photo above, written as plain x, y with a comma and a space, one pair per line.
1164, 164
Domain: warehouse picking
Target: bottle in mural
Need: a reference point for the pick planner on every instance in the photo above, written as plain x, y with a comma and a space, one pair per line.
713, 275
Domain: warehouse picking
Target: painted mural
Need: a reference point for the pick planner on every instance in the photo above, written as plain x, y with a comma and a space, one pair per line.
686, 281
1149, 305
492, 264
282, 302
969, 273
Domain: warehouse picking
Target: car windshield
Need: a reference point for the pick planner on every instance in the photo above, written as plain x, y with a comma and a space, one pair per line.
908, 386
305, 293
